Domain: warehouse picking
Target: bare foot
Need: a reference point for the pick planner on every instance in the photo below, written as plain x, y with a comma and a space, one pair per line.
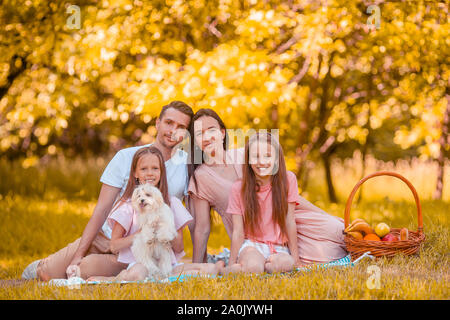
270, 266
235, 268
73, 271
281, 263
220, 265
99, 278
211, 268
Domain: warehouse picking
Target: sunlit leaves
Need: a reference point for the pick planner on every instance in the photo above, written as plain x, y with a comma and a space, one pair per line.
260, 64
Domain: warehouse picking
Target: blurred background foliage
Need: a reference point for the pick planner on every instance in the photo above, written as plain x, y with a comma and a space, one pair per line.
319, 71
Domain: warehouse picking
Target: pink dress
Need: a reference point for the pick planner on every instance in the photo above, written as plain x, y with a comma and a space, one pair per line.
319, 234
127, 218
268, 232
216, 189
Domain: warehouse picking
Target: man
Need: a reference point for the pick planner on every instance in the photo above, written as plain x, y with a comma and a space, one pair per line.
92, 249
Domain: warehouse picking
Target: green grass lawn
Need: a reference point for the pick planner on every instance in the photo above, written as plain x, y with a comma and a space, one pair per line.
35, 225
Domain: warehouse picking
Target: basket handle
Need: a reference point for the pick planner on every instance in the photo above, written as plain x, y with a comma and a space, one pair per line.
384, 173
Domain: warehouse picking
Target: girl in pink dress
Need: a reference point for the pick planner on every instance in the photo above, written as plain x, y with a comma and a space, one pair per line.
262, 205
147, 167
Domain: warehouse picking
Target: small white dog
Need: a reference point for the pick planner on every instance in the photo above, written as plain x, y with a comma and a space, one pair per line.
151, 246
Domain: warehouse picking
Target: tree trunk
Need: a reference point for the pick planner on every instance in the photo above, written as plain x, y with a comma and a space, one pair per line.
274, 117
306, 127
13, 75
364, 149
443, 141
328, 177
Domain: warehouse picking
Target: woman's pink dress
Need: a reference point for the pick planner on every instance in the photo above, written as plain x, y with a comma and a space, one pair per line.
216, 189
319, 234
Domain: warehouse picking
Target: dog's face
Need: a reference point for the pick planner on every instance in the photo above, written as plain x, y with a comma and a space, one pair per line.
146, 198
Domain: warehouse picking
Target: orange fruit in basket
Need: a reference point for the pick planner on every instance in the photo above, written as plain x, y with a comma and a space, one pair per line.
372, 237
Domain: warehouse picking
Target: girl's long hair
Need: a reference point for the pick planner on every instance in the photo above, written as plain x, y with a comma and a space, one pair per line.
196, 154
279, 188
132, 181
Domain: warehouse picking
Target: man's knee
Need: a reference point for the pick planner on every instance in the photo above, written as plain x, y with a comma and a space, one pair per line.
86, 267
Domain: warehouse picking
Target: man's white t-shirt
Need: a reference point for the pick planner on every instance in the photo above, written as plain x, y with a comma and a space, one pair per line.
117, 172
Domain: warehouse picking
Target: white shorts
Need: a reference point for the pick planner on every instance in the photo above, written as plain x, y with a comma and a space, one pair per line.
263, 248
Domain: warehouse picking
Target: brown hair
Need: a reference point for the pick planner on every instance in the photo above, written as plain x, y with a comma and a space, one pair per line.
250, 187
132, 181
196, 154
177, 105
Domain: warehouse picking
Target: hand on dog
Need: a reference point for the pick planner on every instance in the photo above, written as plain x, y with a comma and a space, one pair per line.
155, 223
167, 245
163, 235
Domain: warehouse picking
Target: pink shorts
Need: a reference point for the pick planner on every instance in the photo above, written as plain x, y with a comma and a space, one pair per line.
263, 248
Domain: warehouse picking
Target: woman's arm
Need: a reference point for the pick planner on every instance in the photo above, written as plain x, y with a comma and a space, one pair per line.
237, 238
177, 243
190, 207
104, 205
291, 229
118, 241
202, 228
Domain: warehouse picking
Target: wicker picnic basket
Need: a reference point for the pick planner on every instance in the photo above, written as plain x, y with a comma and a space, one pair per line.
383, 248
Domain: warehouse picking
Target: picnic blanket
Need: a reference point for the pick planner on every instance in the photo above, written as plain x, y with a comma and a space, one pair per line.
76, 281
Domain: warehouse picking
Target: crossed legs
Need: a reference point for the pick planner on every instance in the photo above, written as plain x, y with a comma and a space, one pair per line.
251, 260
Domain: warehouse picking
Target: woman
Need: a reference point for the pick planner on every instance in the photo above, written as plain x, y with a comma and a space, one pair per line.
214, 169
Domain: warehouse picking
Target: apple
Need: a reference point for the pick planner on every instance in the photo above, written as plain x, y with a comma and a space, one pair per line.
389, 237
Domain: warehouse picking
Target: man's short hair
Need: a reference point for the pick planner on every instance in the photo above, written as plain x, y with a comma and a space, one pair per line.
177, 105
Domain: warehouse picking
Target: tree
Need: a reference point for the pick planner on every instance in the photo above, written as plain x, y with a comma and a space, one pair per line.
317, 71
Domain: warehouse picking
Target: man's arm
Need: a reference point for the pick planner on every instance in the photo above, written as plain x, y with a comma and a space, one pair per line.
104, 205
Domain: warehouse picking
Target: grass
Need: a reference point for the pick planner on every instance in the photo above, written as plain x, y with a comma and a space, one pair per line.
44, 209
